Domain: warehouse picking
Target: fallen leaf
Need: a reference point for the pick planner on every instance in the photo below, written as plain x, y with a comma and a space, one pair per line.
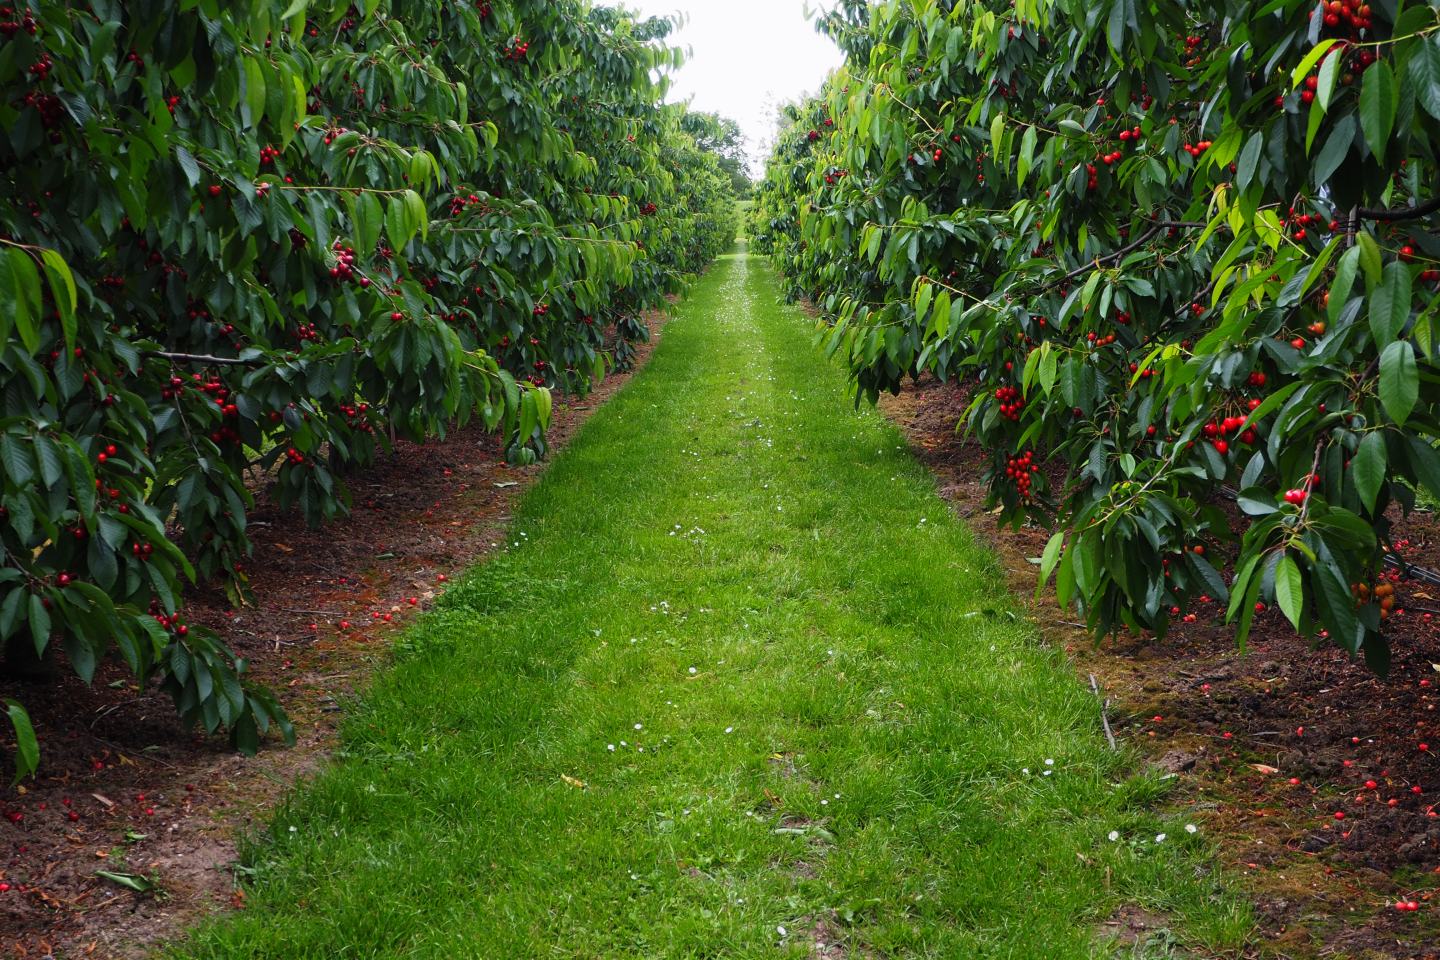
129, 881
1264, 768
572, 782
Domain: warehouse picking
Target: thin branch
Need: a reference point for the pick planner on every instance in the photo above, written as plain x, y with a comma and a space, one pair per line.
205, 359
1104, 713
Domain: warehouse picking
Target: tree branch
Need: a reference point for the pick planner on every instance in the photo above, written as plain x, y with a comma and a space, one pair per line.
203, 358
1400, 213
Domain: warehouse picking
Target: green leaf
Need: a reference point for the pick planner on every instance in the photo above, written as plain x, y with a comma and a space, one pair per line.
1399, 381
39, 624
1425, 460
1368, 468
27, 747
1344, 281
1423, 74
1325, 88
1249, 160
252, 108
1390, 303
1049, 559
25, 286
16, 459
1379, 100
366, 219
1290, 590
1372, 261
399, 225
1337, 147
62, 291
1303, 68
1027, 155
419, 216
52, 468
188, 166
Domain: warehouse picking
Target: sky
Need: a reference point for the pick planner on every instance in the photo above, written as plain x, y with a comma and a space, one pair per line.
746, 58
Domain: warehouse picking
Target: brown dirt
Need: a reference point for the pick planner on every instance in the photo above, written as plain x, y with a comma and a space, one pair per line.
116, 763
1238, 726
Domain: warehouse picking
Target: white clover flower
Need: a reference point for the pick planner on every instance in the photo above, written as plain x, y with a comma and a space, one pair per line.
1114, 835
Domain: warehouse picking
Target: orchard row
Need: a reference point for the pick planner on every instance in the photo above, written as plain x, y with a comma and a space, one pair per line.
266, 239
1180, 251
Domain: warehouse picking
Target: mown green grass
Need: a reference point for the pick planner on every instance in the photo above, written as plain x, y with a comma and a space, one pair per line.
837, 710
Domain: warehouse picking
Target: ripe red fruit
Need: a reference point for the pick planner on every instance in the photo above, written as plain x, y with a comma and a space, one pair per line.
214, 189
1221, 447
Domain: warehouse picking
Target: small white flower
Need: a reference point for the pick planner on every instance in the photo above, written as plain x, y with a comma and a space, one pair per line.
1049, 763
1114, 835
693, 671
1159, 838
610, 747
294, 829
824, 803
729, 729
1046, 773
639, 726
1025, 770
1191, 828
781, 931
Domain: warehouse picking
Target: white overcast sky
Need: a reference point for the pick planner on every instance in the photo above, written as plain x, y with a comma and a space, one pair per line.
746, 57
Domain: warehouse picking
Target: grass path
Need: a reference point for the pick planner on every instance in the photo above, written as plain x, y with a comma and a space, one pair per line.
741, 685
